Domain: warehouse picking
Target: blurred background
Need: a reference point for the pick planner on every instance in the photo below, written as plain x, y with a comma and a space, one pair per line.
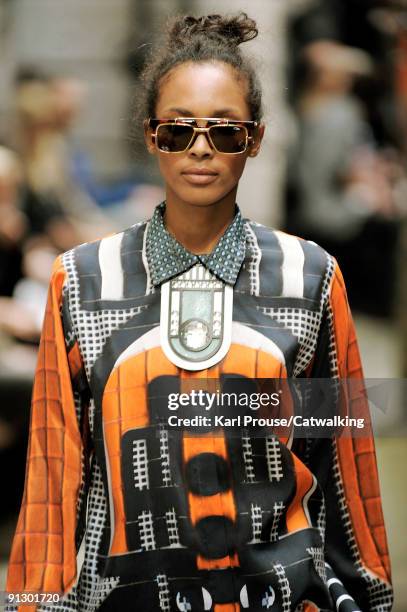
333, 169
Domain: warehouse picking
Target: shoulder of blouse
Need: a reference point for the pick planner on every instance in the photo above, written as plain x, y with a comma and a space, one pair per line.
291, 256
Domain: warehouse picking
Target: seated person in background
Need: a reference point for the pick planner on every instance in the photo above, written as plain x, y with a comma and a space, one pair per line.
17, 318
13, 223
53, 200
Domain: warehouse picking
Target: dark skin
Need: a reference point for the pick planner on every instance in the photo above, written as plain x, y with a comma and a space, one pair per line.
201, 184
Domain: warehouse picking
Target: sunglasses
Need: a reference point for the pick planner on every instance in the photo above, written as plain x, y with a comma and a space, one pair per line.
224, 135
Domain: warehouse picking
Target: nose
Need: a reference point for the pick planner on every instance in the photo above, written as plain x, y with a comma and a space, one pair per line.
201, 147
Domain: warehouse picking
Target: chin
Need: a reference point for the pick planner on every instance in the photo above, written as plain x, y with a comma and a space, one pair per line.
202, 197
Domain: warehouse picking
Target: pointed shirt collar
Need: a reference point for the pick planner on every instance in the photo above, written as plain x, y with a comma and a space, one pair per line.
167, 258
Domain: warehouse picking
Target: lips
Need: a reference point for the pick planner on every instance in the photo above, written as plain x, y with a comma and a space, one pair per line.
199, 176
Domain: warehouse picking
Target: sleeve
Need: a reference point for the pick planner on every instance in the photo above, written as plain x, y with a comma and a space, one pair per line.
50, 523
356, 554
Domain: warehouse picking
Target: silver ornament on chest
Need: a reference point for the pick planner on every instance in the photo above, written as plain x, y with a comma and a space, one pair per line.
196, 319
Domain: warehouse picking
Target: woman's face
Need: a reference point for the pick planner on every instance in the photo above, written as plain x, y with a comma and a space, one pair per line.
201, 176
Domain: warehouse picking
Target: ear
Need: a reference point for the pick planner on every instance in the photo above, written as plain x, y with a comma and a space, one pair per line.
256, 142
149, 138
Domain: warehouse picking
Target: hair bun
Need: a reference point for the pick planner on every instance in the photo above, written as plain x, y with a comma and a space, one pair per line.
231, 30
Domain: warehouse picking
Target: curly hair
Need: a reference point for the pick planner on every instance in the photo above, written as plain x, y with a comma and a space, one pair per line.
203, 39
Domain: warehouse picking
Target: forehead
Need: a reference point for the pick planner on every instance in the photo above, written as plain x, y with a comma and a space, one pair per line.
203, 89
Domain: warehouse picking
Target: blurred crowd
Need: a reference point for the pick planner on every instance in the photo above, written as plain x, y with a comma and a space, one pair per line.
346, 182
347, 185
50, 201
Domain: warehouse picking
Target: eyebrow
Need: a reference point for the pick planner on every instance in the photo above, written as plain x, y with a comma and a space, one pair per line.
226, 112
223, 112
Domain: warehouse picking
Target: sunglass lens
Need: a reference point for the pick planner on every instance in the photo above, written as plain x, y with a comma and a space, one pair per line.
229, 138
173, 138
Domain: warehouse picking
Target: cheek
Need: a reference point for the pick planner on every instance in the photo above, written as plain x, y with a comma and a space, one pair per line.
167, 165
236, 166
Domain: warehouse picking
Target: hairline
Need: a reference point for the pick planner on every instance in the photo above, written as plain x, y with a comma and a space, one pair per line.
239, 73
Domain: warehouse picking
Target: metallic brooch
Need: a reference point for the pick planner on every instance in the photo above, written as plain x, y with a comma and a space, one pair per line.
196, 319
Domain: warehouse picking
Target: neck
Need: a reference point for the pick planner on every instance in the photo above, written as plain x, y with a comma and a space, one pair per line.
198, 228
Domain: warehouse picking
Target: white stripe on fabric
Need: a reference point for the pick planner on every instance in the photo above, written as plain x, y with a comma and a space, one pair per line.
146, 342
149, 285
111, 267
247, 336
306, 498
333, 581
293, 265
343, 598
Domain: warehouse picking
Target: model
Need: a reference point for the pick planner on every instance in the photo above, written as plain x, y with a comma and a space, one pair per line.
197, 517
